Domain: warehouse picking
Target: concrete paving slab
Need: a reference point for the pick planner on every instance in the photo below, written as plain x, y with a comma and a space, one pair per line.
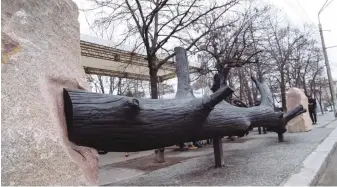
114, 157
331, 138
332, 125
325, 120
117, 174
329, 176
303, 178
326, 145
315, 160
191, 153
334, 133
309, 172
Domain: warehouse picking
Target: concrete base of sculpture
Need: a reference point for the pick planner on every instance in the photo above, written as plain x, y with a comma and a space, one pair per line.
41, 56
301, 123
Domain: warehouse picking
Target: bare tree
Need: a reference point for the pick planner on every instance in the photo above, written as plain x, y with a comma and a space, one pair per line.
281, 44
287, 54
158, 22
234, 46
231, 46
319, 86
117, 86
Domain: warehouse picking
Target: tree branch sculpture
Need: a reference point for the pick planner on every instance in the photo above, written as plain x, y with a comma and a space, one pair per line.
125, 124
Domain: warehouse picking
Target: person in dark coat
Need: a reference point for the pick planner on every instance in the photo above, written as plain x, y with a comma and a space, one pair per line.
312, 109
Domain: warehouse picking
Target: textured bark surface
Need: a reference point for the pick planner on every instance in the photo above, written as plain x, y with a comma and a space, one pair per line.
184, 89
116, 123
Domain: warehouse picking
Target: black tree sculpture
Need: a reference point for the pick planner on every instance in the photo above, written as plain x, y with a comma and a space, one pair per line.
125, 124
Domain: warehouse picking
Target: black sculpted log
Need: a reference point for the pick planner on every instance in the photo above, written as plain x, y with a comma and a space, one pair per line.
125, 124
116, 123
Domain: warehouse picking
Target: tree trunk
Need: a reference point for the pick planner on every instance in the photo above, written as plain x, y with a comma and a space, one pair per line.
320, 105
100, 83
126, 124
112, 83
259, 72
283, 93
119, 86
252, 86
248, 92
320, 101
305, 88
154, 83
241, 85
160, 157
184, 89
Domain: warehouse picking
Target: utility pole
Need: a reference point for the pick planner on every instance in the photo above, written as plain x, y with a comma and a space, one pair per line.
331, 84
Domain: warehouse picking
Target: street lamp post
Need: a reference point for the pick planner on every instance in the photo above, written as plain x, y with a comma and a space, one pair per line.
331, 85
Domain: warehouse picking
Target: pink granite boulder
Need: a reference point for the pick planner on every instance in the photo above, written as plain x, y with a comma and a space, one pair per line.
301, 123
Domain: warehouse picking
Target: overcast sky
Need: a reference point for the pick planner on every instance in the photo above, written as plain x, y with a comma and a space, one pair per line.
298, 11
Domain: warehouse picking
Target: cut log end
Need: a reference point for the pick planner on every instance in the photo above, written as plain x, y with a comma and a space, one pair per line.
294, 113
68, 109
284, 119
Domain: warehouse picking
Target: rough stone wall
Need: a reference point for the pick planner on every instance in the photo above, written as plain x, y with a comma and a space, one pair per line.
41, 55
301, 123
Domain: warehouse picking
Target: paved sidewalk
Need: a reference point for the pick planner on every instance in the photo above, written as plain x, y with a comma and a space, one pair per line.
252, 160
329, 177
107, 175
325, 119
114, 157
314, 165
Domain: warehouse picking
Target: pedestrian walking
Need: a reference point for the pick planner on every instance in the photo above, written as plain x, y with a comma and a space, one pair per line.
312, 109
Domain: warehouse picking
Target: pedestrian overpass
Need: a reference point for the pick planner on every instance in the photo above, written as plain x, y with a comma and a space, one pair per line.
100, 58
